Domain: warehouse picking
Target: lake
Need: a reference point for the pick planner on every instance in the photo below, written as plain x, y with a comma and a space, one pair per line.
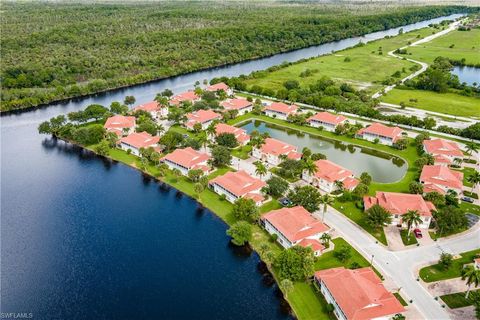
469, 75
83, 239
381, 166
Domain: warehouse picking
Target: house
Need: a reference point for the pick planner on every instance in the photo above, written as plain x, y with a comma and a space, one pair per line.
156, 110
240, 134
441, 179
271, 150
326, 120
178, 99
135, 141
357, 294
476, 263
241, 105
327, 175
385, 135
397, 204
443, 151
187, 159
220, 86
239, 184
295, 226
120, 125
280, 110
204, 117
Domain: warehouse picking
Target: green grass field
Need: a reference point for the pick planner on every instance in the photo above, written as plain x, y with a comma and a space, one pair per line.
448, 103
457, 300
365, 70
408, 241
436, 272
466, 46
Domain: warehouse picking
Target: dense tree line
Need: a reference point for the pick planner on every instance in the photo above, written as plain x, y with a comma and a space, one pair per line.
60, 50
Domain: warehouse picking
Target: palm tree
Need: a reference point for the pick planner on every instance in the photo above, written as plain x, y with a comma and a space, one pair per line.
325, 239
473, 277
471, 147
287, 286
202, 138
263, 249
162, 100
474, 179
411, 217
260, 170
377, 216
268, 258
160, 128
310, 167
339, 185
457, 161
326, 200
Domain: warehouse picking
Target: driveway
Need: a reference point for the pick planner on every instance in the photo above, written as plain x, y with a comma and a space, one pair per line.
248, 166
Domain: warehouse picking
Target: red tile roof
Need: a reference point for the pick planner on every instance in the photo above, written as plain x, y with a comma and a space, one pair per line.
440, 175
240, 134
184, 96
359, 293
327, 117
201, 116
381, 130
235, 104
277, 148
140, 140
239, 183
148, 107
282, 108
120, 122
332, 172
442, 147
217, 87
316, 245
400, 203
295, 223
188, 158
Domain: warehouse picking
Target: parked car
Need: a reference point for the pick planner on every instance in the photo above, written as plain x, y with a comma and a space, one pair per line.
418, 233
285, 202
467, 199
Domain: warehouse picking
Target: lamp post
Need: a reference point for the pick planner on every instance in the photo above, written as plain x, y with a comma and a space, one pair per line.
371, 260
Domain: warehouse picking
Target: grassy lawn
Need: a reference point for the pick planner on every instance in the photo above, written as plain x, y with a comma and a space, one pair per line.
181, 130
365, 70
435, 272
242, 152
470, 208
448, 103
400, 298
328, 259
467, 172
270, 205
466, 45
219, 172
408, 241
457, 300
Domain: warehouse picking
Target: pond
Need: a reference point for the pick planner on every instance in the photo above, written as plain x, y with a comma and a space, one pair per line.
469, 75
381, 166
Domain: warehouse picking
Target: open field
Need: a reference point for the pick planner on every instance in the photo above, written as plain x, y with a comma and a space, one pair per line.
436, 272
466, 46
448, 103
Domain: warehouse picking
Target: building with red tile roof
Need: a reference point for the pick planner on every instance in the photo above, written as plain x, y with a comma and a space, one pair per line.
121, 125
187, 159
327, 175
476, 263
241, 105
135, 141
271, 150
443, 151
399, 203
240, 134
204, 117
326, 120
239, 184
295, 226
220, 86
385, 135
441, 179
189, 96
156, 110
357, 294
280, 110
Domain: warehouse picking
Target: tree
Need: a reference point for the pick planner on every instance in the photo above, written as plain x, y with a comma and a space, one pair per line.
446, 260
129, 100
343, 253
102, 148
339, 185
306, 196
400, 144
295, 263
171, 140
89, 135
167, 93
44, 128
318, 156
366, 178
360, 190
145, 124
411, 217
276, 186
290, 168
260, 169
472, 275
241, 233
287, 286
95, 111
195, 174
227, 140
429, 123
436, 198
291, 84
470, 148
310, 167
325, 237
221, 156
415, 187
197, 127
474, 179
118, 108
326, 200
306, 153
245, 209
378, 217
161, 99
450, 219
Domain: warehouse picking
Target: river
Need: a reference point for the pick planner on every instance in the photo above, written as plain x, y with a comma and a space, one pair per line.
82, 239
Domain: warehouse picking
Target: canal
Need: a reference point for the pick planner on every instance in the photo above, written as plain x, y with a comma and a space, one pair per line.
84, 239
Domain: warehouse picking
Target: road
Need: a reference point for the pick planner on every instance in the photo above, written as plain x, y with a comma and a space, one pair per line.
400, 266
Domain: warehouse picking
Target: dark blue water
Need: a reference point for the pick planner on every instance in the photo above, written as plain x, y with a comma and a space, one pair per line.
83, 240
469, 75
